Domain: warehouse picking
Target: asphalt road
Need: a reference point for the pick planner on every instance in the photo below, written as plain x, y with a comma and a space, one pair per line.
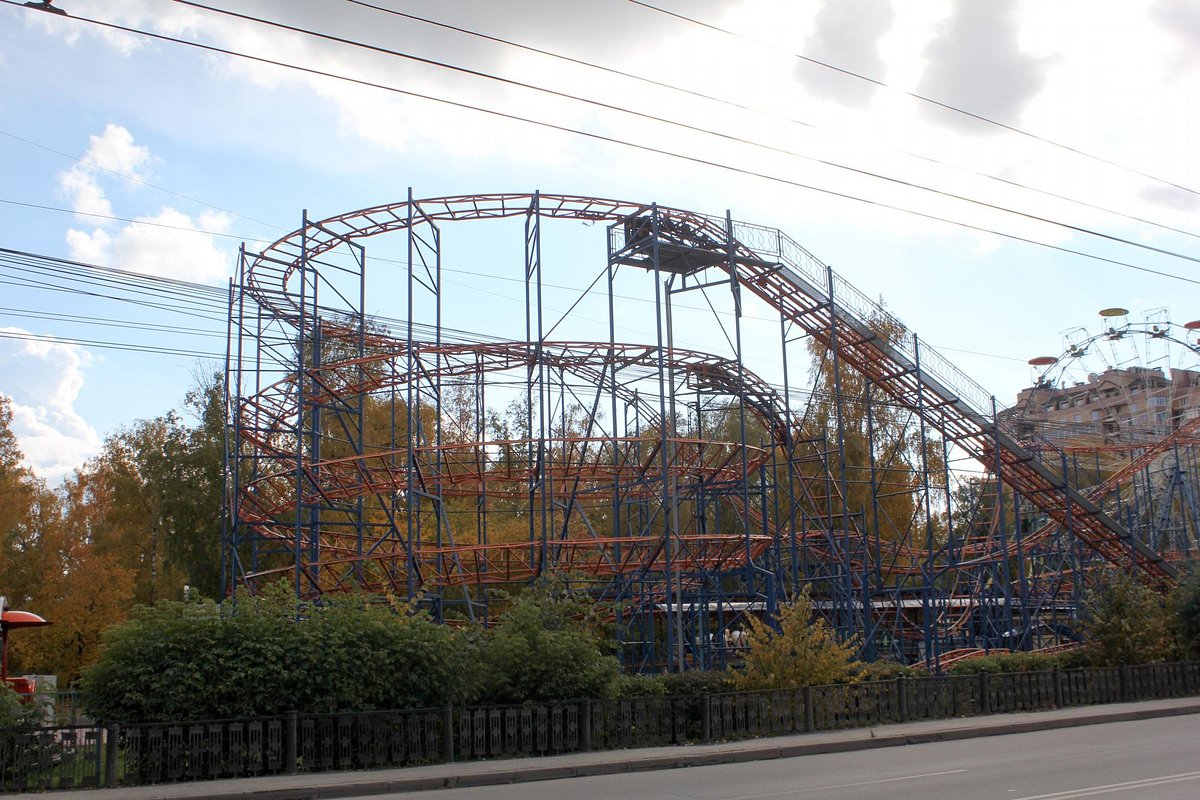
1157, 759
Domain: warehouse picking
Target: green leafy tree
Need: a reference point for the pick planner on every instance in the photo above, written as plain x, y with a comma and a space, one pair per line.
1185, 605
1125, 622
803, 651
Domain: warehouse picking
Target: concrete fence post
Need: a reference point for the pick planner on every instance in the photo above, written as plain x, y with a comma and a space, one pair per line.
448, 733
585, 727
112, 737
291, 743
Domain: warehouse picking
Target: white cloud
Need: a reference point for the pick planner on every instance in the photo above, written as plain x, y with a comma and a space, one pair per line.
111, 151
87, 198
53, 436
169, 244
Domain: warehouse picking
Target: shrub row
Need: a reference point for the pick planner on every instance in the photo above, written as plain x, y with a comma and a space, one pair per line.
265, 655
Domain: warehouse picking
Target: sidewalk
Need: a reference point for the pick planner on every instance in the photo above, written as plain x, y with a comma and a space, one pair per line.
488, 773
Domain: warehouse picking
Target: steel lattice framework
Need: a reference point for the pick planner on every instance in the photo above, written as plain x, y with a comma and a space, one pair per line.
361, 454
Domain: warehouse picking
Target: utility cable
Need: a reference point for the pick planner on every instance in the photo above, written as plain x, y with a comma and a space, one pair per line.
687, 127
135, 179
59, 209
129, 347
617, 141
915, 96
760, 111
108, 322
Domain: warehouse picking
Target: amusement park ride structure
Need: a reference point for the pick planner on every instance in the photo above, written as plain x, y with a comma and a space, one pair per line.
676, 485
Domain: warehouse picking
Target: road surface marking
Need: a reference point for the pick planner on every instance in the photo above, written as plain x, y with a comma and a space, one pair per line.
847, 785
1090, 791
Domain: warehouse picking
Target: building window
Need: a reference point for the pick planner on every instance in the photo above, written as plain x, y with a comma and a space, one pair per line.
1095, 416
1158, 402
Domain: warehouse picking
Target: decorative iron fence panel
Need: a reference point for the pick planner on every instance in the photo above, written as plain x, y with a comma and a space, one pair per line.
1085, 687
940, 697
491, 732
151, 753
639, 722
1020, 691
52, 758
744, 715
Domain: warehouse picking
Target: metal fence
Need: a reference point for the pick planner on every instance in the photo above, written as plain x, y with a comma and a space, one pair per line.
71, 756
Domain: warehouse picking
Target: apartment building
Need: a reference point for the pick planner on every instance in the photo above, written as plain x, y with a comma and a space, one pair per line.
1133, 404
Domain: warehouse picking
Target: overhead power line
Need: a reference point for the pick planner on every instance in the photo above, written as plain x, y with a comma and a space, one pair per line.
626, 143
107, 345
916, 96
60, 210
686, 126
133, 179
770, 113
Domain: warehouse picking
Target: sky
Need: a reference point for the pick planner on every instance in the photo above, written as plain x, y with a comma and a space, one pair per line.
1050, 171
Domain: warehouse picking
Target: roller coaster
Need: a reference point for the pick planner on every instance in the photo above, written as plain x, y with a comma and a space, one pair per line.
684, 490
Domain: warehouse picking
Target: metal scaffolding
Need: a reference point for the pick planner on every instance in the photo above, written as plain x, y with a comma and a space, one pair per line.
677, 485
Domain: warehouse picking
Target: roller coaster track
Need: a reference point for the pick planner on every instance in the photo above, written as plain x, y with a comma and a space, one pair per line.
827, 308
780, 272
1098, 494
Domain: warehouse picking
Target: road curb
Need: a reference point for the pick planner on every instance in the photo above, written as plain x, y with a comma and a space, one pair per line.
775, 751
516, 771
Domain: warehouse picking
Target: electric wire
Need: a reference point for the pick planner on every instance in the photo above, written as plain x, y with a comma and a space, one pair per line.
625, 143
915, 96
689, 127
59, 209
760, 111
106, 345
218, 297
799, 393
133, 179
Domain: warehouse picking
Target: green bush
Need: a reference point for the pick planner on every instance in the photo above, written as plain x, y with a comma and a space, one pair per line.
264, 656
698, 682
866, 671
537, 652
627, 686
1008, 662
803, 651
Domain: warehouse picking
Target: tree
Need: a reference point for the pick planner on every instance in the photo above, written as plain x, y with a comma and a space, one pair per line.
50, 566
80, 590
1125, 622
20, 494
802, 651
1185, 603
880, 447
151, 499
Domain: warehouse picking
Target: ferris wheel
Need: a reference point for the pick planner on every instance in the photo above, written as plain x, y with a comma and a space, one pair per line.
1123, 381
